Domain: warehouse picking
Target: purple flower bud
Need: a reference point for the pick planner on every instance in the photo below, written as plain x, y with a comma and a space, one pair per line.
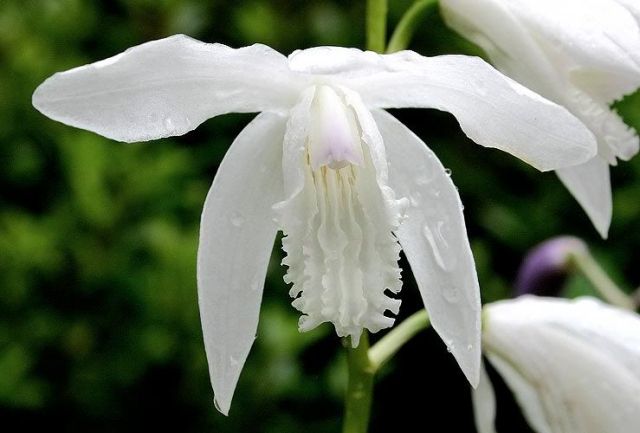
545, 268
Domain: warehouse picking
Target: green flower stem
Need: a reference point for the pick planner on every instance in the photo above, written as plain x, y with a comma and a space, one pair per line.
589, 267
363, 363
408, 23
376, 25
359, 388
384, 349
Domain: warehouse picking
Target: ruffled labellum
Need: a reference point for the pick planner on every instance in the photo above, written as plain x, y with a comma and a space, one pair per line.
341, 251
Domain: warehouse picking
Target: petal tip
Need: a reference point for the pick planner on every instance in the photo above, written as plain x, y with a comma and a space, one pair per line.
37, 99
222, 407
471, 367
603, 229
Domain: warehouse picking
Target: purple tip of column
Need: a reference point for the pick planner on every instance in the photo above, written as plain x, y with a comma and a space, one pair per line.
545, 268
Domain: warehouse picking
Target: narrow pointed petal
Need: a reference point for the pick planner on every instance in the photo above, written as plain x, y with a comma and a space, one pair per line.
434, 239
526, 394
492, 109
236, 238
590, 184
167, 87
484, 404
572, 364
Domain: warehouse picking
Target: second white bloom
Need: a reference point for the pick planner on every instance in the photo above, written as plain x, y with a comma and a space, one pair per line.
573, 365
581, 54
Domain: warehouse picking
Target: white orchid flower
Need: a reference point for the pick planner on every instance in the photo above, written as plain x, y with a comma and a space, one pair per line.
344, 180
573, 365
581, 54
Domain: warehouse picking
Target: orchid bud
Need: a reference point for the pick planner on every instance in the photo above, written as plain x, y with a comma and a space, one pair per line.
546, 267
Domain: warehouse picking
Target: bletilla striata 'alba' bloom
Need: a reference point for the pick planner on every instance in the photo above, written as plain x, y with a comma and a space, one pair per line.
573, 365
346, 182
581, 54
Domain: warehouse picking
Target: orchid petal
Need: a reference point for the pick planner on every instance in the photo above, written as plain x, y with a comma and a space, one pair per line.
600, 36
590, 184
434, 240
484, 404
633, 7
492, 109
493, 26
236, 238
612, 330
525, 392
336, 61
615, 138
573, 365
167, 87
598, 40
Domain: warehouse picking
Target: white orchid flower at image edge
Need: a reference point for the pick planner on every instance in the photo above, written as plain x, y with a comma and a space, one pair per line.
345, 181
581, 54
573, 365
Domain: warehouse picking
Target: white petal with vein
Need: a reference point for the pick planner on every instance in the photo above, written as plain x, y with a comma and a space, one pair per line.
484, 404
493, 110
434, 239
572, 364
168, 87
236, 238
590, 184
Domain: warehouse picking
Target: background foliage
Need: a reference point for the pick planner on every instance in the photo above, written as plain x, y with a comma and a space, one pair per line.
99, 328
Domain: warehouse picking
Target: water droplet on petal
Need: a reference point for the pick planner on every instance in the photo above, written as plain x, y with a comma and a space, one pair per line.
415, 198
233, 361
469, 347
447, 171
451, 294
422, 180
237, 219
168, 124
257, 282
450, 346
443, 254
481, 87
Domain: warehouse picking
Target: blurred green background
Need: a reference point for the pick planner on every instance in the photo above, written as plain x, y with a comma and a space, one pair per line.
99, 327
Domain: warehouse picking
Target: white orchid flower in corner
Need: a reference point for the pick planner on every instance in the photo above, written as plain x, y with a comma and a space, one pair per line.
581, 54
345, 181
573, 365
